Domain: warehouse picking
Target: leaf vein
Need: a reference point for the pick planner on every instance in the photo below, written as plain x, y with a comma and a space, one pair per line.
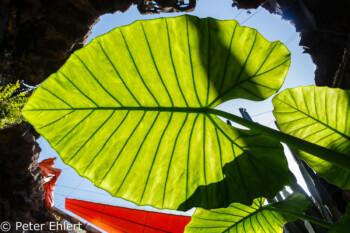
72, 129
127, 140
98, 153
91, 137
137, 153
60, 118
155, 64
63, 101
171, 158
155, 155
208, 64
324, 124
190, 57
137, 69
189, 154
226, 61
116, 71
172, 61
76, 87
94, 77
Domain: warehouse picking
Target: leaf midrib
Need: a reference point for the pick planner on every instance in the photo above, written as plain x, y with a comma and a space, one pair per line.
204, 110
260, 210
317, 120
245, 218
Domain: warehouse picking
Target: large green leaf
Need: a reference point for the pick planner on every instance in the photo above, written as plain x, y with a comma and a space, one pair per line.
320, 115
238, 218
130, 112
342, 226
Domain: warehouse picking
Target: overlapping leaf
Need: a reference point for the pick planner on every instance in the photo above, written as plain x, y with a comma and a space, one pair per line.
130, 112
320, 115
342, 226
238, 218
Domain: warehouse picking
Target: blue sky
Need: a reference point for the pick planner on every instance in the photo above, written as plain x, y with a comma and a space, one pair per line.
301, 73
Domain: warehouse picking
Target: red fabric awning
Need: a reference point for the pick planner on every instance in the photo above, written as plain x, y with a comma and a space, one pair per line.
120, 219
51, 175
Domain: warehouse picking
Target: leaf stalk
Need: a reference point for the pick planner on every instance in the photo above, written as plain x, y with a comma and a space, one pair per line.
311, 219
324, 153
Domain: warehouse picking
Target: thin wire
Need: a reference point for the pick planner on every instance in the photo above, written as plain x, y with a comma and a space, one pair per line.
270, 123
251, 16
60, 194
84, 190
239, 13
290, 39
58, 205
261, 113
75, 188
112, 203
61, 203
65, 168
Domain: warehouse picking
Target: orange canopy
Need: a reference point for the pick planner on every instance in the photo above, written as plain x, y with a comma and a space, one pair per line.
120, 219
51, 175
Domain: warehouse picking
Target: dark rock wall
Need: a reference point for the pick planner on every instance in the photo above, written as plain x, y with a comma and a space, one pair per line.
157, 6
21, 192
324, 28
37, 36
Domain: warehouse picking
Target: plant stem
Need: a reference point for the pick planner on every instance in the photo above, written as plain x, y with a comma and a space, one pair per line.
311, 219
316, 150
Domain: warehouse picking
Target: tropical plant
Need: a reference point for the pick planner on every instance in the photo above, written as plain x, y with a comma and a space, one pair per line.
319, 115
343, 226
134, 112
258, 217
11, 104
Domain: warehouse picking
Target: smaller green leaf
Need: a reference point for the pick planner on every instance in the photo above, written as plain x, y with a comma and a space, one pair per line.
239, 218
320, 115
343, 226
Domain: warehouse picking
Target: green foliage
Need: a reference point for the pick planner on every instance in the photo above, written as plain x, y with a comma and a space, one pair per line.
11, 105
130, 112
343, 226
320, 115
238, 218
